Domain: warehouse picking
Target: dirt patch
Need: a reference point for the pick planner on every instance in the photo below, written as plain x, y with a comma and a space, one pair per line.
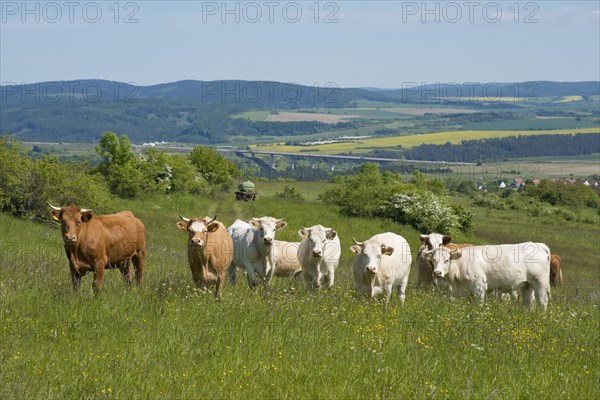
299, 117
423, 111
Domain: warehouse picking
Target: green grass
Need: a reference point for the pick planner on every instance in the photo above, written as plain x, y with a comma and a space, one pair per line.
169, 341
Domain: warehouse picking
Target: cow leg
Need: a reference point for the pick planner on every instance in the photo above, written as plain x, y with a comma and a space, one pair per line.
330, 277
311, 281
542, 294
75, 279
479, 293
402, 289
197, 278
232, 272
126, 272
138, 262
251, 275
98, 277
220, 283
527, 296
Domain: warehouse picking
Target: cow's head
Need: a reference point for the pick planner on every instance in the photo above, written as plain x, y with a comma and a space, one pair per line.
371, 254
266, 227
441, 258
198, 229
434, 240
70, 218
317, 237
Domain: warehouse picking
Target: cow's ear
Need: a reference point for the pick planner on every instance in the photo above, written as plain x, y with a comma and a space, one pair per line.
254, 223
86, 216
387, 250
280, 224
429, 256
303, 233
455, 255
356, 248
182, 225
331, 234
56, 214
212, 227
446, 240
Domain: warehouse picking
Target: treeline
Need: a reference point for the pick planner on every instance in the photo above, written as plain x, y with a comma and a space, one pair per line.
509, 147
432, 121
28, 182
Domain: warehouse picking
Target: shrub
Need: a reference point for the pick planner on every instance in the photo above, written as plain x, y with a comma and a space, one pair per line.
365, 193
427, 212
213, 167
27, 184
289, 192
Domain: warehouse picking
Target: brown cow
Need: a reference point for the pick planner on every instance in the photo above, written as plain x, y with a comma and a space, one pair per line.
424, 266
95, 243
286, 259
210, 251
556, 277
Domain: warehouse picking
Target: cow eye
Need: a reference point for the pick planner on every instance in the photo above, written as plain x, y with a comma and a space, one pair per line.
78, 223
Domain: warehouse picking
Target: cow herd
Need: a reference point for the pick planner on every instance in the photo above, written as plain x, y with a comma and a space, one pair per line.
382, 263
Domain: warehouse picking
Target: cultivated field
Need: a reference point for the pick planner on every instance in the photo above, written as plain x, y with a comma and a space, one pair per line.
433, 110
366, 145
168, 341
284, 116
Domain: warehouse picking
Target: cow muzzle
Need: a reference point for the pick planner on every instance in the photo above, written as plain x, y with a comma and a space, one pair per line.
197, 242
70, 239
317, 253
437, 273
268, 241
371, 270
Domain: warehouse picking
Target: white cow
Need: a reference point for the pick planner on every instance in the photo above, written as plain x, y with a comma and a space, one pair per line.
381, 263
505, 268
424, 266
319, 255
253, 248
286, 259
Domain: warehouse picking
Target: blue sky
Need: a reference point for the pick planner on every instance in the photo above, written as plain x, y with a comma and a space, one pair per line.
350, 43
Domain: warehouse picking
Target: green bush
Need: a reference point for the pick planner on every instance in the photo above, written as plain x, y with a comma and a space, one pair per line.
365, 193
427, 212
26, 184
213, 167
289, 192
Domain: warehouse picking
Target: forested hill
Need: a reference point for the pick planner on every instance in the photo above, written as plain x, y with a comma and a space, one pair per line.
509, 147
185, 111
246, 94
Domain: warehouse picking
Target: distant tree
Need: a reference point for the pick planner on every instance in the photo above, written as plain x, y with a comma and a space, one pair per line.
119, 165
214, 168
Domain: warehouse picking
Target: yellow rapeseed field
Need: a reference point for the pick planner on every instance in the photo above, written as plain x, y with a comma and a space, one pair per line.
568, 99
362, 146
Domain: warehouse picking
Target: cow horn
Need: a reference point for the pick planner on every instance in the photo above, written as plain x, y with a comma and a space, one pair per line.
184, 218
54, 208
213, 219
356, 242
86, 210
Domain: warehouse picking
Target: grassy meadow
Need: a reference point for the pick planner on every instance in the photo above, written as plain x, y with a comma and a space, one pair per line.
168, 341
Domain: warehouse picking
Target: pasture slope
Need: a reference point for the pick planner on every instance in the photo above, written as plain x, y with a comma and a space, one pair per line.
168, 341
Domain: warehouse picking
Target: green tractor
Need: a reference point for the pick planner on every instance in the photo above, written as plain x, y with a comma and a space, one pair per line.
246, 192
